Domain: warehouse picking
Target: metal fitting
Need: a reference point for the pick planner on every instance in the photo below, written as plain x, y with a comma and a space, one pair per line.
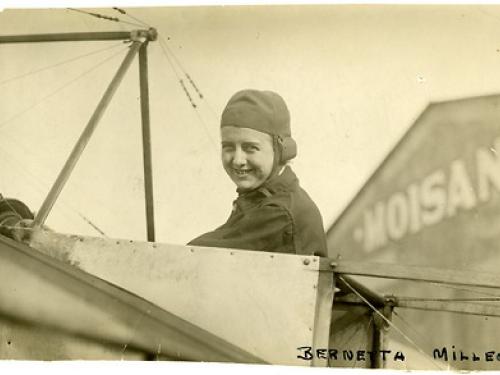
152, 34
144, 35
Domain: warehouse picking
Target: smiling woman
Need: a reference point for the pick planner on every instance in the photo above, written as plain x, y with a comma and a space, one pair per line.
272, 212
247, 156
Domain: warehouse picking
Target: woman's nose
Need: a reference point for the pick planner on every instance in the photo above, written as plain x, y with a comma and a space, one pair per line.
239, 158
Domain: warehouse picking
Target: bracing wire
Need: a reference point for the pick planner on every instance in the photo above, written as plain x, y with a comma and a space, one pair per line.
174, 69
167, 55
178, 62
122, 11
205, 127
75, 58
56, 91
91, 223
2, 199
169, 51
392, 325
21, 148
412, 328
87, 220
194, 86
186, 91
165, 49
417, 333
42, 186
104, 17
176, 72
174, 57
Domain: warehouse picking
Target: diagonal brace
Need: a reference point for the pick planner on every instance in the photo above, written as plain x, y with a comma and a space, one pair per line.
85, 137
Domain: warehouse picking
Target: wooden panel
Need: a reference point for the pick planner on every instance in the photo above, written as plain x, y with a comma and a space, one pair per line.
264, 303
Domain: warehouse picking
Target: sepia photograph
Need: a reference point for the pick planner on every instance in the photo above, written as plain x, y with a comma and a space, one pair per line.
288, 184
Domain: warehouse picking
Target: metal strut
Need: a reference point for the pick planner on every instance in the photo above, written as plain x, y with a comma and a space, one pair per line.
85, 137
150, 34
140, 39
146, 142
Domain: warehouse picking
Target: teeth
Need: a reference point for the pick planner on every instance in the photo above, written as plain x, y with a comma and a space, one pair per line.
242, 172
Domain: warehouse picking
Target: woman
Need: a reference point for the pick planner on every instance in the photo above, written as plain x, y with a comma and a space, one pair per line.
272, 212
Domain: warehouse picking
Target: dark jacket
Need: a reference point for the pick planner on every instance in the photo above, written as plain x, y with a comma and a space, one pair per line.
279, 216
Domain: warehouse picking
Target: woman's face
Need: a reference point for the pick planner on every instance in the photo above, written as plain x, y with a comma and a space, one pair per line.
247, 156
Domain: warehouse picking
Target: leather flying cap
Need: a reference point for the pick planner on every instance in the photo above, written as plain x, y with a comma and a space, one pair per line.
264, 111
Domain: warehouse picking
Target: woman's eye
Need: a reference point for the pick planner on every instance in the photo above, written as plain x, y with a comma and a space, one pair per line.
251, 148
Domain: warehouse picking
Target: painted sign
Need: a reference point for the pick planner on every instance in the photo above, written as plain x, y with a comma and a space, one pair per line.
437, 193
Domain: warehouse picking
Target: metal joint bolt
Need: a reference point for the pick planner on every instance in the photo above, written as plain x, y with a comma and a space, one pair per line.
152, 34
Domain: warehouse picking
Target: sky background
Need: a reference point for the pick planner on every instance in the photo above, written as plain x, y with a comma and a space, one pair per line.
355, 77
